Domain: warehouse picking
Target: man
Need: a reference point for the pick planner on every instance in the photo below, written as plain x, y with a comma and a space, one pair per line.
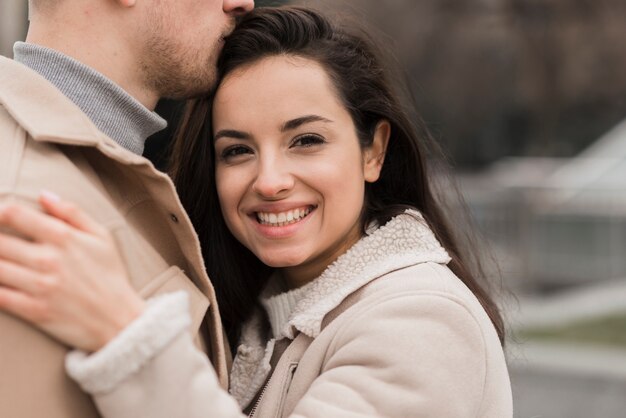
76, 106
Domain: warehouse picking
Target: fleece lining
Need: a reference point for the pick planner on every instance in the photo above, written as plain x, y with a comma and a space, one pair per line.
165, 317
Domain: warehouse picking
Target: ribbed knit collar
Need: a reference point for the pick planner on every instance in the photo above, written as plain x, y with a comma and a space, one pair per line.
110, 108
279, 303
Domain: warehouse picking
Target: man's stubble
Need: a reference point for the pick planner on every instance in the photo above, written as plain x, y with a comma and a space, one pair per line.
178, 71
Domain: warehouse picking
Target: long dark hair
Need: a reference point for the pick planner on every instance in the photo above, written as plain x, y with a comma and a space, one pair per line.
363, 82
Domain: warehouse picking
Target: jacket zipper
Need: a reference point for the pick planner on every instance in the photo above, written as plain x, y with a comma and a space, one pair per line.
258, 401
286, 385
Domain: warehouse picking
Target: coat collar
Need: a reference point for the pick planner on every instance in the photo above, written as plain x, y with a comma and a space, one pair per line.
48, 116
403, 241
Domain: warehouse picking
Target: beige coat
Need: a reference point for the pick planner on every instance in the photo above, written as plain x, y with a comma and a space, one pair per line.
387, 330
46, 142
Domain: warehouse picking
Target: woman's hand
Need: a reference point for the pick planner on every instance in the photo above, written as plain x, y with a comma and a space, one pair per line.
66, 276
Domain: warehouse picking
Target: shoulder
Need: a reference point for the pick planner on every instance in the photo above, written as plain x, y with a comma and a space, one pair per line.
423, 305
421, 281
423, 290
420, 330
412, 301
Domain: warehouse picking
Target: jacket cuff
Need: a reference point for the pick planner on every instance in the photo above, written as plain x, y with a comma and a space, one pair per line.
165, 317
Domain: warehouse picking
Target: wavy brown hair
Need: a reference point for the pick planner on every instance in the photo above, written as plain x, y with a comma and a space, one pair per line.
370, 92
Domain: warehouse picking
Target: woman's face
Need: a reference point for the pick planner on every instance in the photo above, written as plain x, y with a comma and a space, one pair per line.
290, 172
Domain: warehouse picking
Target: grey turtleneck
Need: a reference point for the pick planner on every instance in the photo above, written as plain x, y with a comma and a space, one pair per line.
109, 107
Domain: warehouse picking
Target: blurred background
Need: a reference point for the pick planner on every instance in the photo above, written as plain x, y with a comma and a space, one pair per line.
528, 100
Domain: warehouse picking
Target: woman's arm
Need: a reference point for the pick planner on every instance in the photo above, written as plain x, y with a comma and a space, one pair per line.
153, 369
62, 273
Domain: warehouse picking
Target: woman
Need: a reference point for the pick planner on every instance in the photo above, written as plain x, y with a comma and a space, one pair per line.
339, 279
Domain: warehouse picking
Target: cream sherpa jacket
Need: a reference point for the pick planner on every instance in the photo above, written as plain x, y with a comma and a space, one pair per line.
412, 342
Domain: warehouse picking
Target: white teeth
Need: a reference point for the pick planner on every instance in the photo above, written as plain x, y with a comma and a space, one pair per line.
282, 218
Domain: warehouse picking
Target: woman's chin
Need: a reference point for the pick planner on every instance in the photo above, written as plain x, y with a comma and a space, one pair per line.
280, 261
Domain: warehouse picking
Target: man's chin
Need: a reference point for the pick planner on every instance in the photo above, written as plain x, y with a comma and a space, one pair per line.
190, 88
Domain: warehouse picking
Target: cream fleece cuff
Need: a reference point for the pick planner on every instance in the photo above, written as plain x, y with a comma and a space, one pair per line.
165, 317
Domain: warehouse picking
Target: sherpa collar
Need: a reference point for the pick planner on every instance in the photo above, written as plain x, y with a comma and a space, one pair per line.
404, 241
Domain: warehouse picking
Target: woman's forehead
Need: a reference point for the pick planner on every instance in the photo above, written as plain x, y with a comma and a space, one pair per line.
277, 88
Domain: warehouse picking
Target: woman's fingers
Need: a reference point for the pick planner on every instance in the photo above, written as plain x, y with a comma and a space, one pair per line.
21, 305
34, 225
24, 280
30, 223
27, 254
57, 226
69, 213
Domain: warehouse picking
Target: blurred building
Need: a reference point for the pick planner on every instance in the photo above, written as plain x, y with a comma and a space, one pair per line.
556, 222
580, 215
13, 24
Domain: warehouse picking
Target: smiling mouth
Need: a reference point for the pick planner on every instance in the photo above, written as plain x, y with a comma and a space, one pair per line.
277, 219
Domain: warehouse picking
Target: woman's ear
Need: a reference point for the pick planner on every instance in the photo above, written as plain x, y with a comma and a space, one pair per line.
374, 156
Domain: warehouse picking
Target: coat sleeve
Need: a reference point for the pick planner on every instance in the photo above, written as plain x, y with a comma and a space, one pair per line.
412, 354
153, 369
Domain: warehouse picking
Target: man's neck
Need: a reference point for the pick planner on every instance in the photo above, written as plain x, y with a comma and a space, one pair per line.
103, 52
110, 108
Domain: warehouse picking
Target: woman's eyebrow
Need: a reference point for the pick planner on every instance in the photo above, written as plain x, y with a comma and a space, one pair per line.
231, 133
287, 126
295, 123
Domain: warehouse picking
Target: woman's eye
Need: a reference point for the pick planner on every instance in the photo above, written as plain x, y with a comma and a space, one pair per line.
308, 141
235, 151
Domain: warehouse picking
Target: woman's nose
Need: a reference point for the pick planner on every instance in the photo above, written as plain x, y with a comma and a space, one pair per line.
273, 180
